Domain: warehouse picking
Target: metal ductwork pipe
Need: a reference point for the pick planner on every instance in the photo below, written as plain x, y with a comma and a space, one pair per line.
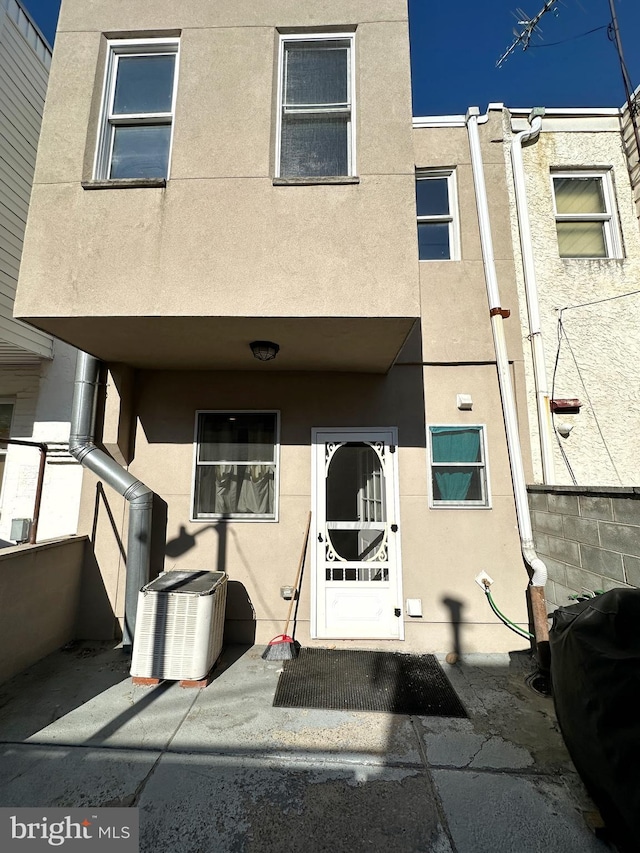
82, 446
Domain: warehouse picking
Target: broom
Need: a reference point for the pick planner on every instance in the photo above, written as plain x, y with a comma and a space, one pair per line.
284, 647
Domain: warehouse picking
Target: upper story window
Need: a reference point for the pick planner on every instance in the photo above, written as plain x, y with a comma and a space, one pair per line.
436, 205
315, 129
458, 467
236, 465
138, 109
585, 215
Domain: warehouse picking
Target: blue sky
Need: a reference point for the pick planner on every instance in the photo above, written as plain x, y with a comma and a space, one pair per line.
456, 43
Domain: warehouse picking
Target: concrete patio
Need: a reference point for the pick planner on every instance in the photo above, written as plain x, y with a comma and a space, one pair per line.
220, 770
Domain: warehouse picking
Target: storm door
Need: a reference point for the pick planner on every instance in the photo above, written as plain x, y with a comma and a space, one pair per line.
356, 536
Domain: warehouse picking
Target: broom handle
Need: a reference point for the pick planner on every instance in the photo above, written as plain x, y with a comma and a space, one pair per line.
300, 565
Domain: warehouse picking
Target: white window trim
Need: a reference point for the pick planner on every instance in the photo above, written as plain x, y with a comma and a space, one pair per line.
351, 128
483, 465
276, 480
613, 241
104, 142
451, 218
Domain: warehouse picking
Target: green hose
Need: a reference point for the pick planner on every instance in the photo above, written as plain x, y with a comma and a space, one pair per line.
516, 628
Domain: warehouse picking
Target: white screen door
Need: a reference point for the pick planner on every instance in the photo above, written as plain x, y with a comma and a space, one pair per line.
356, 539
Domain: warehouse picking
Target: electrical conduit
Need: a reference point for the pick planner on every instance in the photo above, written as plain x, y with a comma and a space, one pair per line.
538, 568
82, 446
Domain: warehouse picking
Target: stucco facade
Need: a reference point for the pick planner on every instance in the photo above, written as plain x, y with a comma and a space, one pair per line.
590, 304
169, 281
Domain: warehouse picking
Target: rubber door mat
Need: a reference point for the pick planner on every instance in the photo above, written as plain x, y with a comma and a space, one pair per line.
342, 679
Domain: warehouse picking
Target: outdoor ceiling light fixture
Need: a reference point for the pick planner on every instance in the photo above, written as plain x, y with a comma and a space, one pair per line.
264, 350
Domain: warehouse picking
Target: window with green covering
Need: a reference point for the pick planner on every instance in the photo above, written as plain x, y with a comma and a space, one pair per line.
585, 220
458, 466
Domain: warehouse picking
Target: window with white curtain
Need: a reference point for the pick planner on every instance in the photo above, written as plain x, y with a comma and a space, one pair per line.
458, 466
315, 128
236, 461
585, 215
138, 109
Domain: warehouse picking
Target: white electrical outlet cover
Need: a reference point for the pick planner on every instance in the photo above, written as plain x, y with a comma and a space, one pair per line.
481, 578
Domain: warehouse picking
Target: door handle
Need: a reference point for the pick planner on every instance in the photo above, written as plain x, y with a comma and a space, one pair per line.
320, 537
394, 528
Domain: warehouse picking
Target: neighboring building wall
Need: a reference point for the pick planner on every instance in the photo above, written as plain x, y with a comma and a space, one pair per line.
588, 538
630, 137
24, 66
37, 385
33, 579
42, 398
598, 362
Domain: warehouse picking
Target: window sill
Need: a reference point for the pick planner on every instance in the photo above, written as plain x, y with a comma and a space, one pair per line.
126, 184
599, 259
461, 505
309, 181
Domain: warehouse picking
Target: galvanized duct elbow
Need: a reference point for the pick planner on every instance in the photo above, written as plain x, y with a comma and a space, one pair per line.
82, 446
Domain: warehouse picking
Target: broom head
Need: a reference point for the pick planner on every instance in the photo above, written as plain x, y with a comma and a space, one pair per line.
282, 647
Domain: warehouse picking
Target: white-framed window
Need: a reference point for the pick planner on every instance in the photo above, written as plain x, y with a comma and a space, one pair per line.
459, 476
437, 211
236, 465
315, 106
136, 127
585, 212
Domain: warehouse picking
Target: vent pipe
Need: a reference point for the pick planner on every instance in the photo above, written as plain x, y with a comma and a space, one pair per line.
82, 446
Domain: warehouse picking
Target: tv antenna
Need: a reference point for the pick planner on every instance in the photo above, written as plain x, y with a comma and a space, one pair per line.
530, 26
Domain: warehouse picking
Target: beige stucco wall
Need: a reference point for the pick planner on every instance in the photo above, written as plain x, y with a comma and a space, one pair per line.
39, 595
600, 365
137, 275
442, 550
221, 239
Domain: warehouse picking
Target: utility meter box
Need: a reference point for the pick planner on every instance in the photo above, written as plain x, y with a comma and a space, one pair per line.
20, 528
179, 625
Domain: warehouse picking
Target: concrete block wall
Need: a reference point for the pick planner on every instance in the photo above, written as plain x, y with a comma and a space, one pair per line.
588, 538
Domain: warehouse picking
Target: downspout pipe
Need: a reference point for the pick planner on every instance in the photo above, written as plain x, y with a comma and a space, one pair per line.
497, 315
543, 409
82, 446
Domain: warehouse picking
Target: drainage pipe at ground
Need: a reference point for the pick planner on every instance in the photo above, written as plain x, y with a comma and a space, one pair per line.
82, 446
497, 314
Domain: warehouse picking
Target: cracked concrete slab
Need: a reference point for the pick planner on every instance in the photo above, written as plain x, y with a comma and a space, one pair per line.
221, 769
235, 713
71, 777
487, 812
123, 716
192, 804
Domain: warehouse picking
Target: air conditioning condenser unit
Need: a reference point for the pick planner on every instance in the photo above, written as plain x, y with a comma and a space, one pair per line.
179, 625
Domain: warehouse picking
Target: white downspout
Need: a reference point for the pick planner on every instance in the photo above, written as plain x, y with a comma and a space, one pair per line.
497, 314
545, 425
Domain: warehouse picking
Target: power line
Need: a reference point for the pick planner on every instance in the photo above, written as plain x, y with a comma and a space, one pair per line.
562, 333
599, 301
573, 38
553, 396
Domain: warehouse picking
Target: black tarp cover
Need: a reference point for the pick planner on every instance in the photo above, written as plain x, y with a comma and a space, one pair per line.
595, 671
